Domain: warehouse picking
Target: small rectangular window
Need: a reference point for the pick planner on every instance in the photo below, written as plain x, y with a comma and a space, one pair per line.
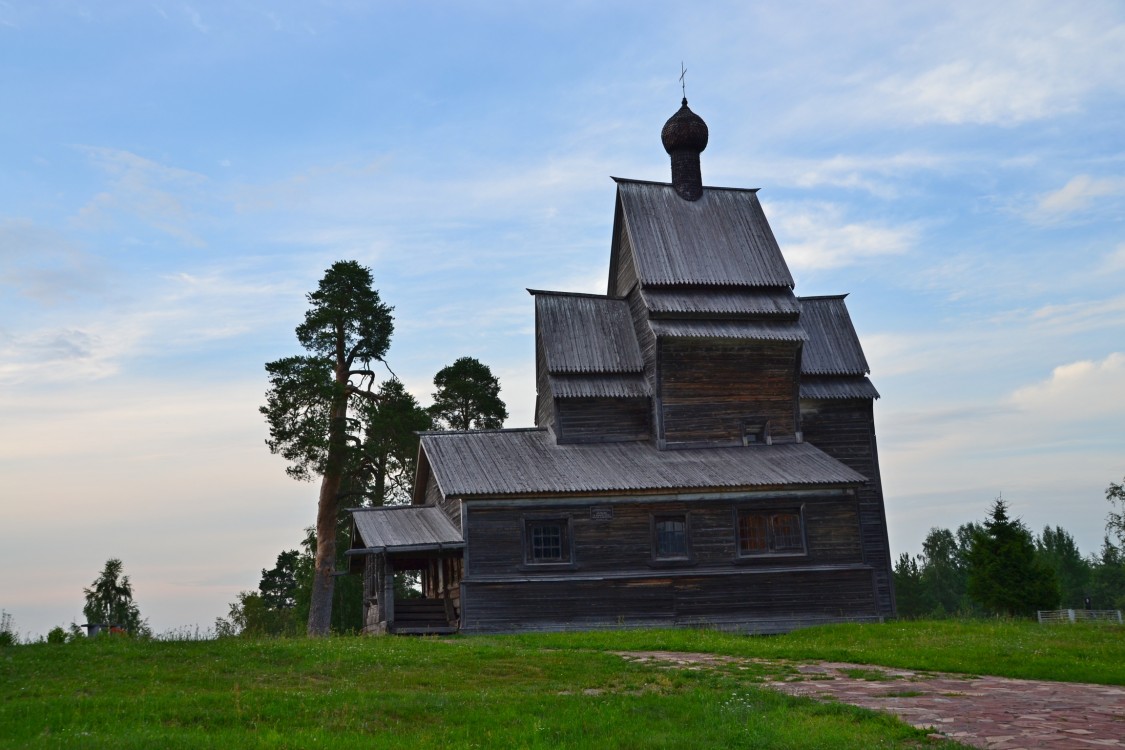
770, 533
548, 541
671, 537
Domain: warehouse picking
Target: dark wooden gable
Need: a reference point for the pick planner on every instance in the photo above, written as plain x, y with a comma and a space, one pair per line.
714, 312
589, 369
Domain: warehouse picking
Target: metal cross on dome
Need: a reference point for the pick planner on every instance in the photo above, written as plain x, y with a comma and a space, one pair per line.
683, 84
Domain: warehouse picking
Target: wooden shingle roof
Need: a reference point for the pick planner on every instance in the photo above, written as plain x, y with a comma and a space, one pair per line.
729, 329
722, 239
585, 333
529, 462
833, 347
832, 388
725, 303
407, 528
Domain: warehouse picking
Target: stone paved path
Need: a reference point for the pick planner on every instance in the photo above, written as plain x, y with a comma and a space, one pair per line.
988, 712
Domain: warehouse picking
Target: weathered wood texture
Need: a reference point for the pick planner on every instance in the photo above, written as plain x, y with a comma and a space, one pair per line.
845, 430
626, 269
451, 506
709, 389
601, 420
544, 398
624, 543
755, 600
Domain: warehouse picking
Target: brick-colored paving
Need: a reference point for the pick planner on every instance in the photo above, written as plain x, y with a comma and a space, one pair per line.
988, 712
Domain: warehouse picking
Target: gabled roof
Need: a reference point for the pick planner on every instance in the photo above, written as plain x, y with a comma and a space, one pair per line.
722, 239
626, 385
529, 462
405, 528
720, 302
729, 329
586, 333
832, 388
833, 347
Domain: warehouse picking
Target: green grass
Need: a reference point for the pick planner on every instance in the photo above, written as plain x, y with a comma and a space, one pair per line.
400, 693
528, 691
1007, 648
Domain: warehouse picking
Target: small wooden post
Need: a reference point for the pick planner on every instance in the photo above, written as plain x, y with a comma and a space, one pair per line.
388, 591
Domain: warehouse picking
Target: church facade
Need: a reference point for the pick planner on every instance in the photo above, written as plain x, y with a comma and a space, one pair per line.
704, 451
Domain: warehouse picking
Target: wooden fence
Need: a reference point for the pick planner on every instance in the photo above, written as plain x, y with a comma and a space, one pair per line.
1052, 616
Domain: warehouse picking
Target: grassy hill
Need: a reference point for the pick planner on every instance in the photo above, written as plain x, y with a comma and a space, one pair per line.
535, 691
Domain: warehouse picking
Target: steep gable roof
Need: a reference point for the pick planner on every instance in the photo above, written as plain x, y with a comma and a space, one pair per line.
586, 333
722, 239
833, 347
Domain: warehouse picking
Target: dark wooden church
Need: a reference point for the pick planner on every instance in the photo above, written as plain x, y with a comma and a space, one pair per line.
704, 452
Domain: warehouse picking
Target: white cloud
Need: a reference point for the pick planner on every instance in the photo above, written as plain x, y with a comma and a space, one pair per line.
819, 237
1076, 196
1077, 391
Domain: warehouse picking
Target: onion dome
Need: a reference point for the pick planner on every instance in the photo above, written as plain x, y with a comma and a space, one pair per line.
684, 137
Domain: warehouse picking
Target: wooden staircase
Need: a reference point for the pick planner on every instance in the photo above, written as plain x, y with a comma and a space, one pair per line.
421, 617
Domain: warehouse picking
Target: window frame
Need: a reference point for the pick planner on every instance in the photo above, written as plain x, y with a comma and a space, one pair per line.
566, 543
655, 519
770, 514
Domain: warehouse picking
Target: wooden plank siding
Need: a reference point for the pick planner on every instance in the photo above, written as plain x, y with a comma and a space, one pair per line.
544, 398
451, 506
845, 430
601, 420
710, 388
761, 600
612, 574
495, 534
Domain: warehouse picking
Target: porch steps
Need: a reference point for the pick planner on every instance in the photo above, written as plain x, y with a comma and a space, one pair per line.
421, 617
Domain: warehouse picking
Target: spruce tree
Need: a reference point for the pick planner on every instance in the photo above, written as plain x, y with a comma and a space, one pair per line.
1005, 574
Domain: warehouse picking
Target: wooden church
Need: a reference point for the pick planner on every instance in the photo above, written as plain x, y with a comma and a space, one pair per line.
704, 452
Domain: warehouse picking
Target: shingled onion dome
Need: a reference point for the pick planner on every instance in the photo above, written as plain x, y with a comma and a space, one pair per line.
684, 137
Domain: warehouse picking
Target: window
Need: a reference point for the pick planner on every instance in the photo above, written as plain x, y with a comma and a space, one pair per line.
670, 537
770, 533
548, 540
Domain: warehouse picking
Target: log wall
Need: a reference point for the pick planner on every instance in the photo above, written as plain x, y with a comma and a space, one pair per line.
845, 430
710, 388
601, 420
612, 578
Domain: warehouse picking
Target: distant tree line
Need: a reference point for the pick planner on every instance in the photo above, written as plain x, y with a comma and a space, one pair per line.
999, 566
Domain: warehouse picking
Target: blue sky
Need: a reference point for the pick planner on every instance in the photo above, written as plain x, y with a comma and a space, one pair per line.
178, 175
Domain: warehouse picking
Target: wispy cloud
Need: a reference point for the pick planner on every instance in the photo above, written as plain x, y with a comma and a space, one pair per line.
196, 19
176, 314
1005, 64
45, 266
1076, 196
820, 237
156, 194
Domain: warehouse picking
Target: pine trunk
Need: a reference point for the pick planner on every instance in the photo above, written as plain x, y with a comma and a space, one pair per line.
320, 603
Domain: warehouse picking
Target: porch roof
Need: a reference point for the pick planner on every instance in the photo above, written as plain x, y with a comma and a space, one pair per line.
406, 528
